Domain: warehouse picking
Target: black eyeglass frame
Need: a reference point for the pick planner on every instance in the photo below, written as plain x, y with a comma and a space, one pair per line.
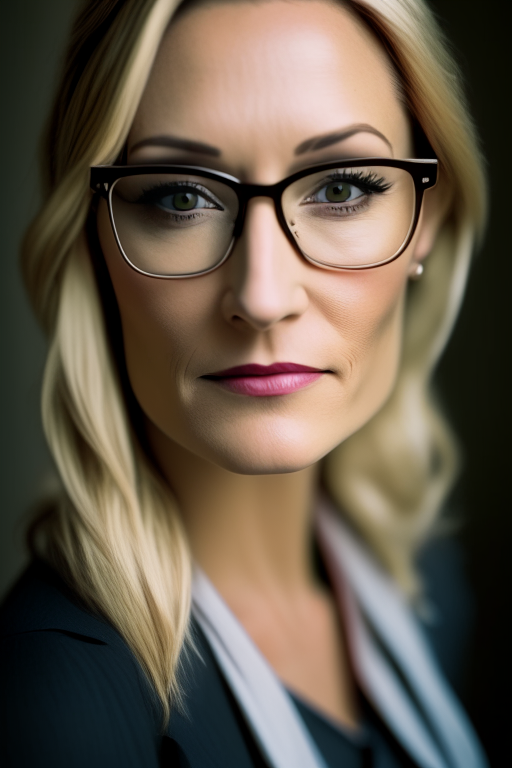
423, 173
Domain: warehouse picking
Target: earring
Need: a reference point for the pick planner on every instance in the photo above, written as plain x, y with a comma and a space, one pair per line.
416, 272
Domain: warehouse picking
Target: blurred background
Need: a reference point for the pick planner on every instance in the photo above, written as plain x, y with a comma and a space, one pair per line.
473, 378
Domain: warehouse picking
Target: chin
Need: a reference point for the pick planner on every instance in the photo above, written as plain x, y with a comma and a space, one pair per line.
269, 453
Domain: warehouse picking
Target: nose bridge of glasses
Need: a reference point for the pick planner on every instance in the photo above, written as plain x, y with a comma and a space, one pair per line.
249, 193
261, 197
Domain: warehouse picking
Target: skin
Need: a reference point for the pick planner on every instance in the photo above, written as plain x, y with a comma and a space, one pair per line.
256, 80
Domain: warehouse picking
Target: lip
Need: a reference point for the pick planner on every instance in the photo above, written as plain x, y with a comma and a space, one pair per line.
255, 369
266, 380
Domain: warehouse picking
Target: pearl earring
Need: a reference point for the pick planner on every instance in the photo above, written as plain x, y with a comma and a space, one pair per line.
416, 272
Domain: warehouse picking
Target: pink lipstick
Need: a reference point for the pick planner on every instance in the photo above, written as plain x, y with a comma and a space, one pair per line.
266, 380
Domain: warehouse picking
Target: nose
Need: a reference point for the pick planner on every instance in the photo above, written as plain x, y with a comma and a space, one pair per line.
267, 282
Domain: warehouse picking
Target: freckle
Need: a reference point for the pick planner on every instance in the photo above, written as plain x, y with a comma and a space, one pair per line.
292, 223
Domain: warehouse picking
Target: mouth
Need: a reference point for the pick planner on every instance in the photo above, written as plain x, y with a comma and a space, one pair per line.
266, 380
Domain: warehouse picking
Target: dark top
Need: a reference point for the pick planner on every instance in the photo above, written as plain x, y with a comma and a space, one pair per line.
372, 747
73, 696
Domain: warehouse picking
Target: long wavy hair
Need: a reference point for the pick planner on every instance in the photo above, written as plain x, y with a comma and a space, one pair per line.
114, 533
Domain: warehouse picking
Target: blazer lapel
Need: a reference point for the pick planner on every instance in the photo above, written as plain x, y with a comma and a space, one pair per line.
275, 723
396, 668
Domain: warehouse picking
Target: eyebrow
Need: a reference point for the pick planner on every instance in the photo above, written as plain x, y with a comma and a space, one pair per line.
310, 145
326, 139
176, 143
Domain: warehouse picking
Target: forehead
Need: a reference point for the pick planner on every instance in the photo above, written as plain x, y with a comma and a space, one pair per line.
257, 79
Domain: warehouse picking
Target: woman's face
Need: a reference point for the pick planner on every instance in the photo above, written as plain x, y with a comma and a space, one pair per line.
255, 81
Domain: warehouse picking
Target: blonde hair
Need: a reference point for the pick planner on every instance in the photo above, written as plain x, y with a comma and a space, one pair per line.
115, 534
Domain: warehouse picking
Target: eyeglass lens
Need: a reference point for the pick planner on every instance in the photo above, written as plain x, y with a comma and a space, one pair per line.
180, 224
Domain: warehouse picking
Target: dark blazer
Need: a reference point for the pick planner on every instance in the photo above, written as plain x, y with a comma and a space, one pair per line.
73, 696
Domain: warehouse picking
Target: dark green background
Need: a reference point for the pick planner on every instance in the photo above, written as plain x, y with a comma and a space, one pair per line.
473, 378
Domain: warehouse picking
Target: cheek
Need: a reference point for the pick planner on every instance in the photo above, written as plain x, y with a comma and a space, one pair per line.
162, 321
366, 311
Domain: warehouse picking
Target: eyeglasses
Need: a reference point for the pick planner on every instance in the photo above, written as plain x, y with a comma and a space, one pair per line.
176, 221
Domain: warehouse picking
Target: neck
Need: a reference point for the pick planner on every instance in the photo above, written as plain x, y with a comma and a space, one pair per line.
247, 532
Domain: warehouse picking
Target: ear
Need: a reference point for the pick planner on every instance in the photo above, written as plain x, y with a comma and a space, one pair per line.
436, 203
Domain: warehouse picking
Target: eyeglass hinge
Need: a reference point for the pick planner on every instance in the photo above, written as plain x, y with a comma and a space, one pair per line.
425, 179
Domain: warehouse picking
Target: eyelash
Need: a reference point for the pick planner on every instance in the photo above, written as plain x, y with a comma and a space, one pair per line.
368, 182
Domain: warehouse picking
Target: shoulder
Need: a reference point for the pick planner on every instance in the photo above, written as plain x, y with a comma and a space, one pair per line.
72, 692
448, 615
74, 696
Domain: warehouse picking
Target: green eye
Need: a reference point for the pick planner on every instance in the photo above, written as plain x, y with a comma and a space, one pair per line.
338, 192
184, 201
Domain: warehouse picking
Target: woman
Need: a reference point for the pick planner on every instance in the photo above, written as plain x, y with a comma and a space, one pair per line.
236, 393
